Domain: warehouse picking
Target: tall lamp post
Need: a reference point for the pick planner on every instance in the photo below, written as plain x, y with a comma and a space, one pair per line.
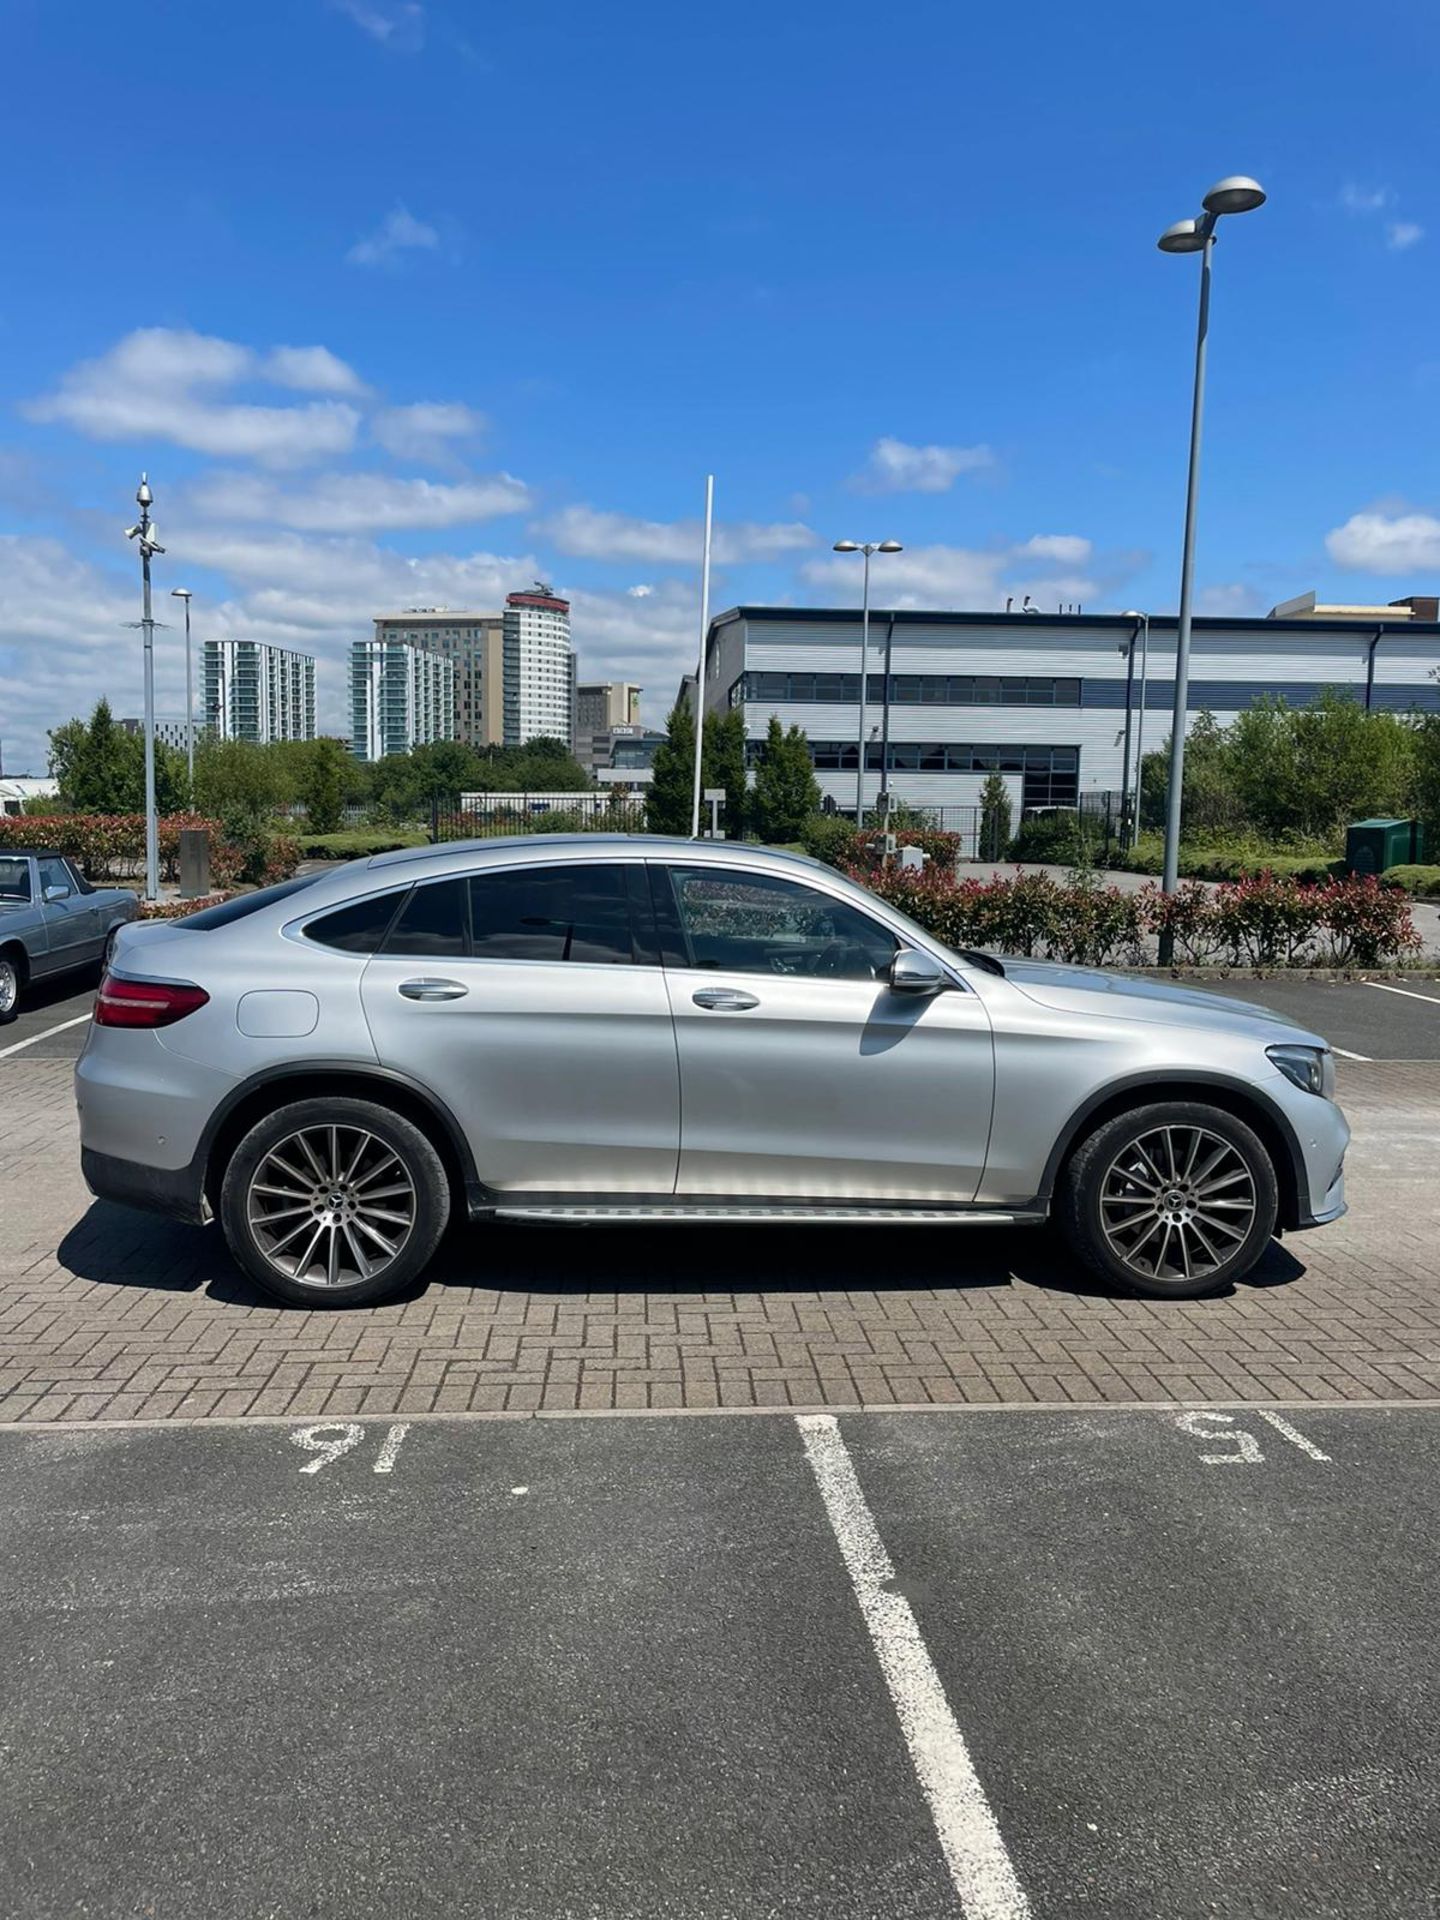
867, 547
146, 533
1235, 194
183, 593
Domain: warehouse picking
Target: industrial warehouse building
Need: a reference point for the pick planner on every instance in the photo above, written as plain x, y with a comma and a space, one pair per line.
1041, 698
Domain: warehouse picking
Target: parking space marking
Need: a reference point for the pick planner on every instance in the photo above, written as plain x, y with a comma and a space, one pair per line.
390, 1446
80, 1020
1292, 1434
1429, 999
347, 1435
974, 1849
1247, 1448
1346, 1054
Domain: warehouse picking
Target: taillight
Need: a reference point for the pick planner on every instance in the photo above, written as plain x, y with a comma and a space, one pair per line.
145, 1003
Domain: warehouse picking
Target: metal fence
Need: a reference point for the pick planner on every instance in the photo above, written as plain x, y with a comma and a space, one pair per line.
1098, 820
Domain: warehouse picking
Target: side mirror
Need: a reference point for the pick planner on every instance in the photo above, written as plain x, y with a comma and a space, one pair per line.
56, 893
915, 972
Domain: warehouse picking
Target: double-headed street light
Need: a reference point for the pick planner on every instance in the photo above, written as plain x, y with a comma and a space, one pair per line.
867, 547
1235, 194
183, 593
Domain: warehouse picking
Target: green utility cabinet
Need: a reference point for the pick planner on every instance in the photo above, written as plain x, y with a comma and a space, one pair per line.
1373, 845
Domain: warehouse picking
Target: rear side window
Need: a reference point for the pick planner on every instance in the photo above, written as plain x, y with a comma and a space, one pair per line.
579, 913
432, 922
243, 905
360, 926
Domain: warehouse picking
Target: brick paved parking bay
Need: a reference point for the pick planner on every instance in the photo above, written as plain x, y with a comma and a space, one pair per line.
1010, 1665
111, 1315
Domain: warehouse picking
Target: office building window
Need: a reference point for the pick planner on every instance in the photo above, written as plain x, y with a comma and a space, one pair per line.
909, 689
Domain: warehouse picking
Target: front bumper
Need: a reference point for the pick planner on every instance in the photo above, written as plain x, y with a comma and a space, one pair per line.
178, 1192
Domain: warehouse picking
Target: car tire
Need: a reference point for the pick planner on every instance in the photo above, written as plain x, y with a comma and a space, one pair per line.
12, 981
1173, 1201
317, 1190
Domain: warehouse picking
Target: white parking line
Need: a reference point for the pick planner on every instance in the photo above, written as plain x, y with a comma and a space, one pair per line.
1292, 1434
1345, 1053
970, 1839
1430, 999
81, 1019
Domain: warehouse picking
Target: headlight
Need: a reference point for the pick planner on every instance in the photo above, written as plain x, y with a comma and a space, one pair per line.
1311, 1068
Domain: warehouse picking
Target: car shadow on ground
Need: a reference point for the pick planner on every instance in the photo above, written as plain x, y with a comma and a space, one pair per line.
116, 1247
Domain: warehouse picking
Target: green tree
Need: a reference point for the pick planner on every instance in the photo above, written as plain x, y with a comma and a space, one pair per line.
668, 798
323, 778
786, 791
995, 815
100, 768
240, 784
1427, 780
1212, 807
723, 765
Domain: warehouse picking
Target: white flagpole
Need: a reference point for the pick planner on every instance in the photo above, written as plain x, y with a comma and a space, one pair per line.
700, 667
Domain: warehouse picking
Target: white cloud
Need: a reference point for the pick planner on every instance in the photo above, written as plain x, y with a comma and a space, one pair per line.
357, 502
397, 28
640, 591
1070, 549
1400, 234
961, 577
422, 431
161, 383
310, 370
896, 467
587, 533
399, 232
1357, 199
1395, 543
1231, 600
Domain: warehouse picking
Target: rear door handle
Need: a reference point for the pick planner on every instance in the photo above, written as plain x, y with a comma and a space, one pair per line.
724, 999
433, 989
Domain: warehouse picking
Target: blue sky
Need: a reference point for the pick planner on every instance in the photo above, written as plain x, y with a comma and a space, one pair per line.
406, 303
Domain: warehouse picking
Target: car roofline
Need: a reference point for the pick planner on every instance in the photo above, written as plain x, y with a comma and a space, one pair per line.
598, 846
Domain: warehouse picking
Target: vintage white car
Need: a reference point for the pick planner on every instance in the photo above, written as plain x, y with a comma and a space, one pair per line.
52, 921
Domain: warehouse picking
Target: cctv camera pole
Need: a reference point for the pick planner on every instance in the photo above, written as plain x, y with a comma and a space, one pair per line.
700, 665
149, 545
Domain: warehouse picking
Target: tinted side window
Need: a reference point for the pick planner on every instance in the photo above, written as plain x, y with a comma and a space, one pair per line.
54, 873
432, 922
579, 913
359, 926
758, 923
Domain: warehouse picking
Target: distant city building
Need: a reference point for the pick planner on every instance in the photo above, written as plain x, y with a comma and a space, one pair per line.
474, 644
631, 747
250, 690
171, 733
601, 705
538, 667
401, 697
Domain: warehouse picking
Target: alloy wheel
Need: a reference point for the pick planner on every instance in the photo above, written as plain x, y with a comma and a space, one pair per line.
1177, 1202
9, 986
331, 1206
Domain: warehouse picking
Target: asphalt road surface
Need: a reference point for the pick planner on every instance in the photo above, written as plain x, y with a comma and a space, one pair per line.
1369, 1020
1003, 1665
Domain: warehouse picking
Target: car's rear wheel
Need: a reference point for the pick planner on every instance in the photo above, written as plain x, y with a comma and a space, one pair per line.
1174, 1200
334, 1202
10, 978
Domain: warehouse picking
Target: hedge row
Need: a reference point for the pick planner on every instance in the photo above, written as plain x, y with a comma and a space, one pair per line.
1422, 882
111, 846
1264, 922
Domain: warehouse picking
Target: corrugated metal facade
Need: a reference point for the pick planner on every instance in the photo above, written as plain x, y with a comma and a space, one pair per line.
1231, 664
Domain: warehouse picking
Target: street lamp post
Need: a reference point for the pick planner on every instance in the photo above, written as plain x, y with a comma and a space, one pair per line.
1235, 194
146, 533
866, 547
183, 593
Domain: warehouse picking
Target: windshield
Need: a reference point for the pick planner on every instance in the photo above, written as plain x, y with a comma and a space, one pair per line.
14, 878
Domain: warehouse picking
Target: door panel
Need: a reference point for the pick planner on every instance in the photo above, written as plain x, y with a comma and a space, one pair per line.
825, 1084
70, 924
561, 1071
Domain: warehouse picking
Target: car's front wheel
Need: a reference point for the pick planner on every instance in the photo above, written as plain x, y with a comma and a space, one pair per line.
334, 1202
1174, 1200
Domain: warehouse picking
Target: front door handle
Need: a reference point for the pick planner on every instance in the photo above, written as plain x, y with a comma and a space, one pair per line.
433, 989
724, 999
